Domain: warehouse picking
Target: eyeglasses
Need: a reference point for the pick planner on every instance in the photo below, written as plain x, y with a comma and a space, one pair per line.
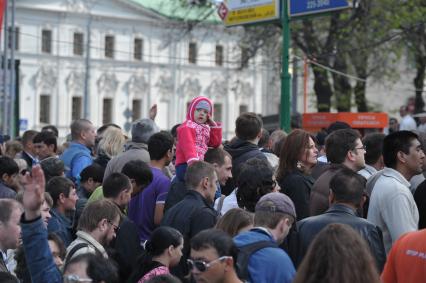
115, 227
364, 147
75, 279
201, 265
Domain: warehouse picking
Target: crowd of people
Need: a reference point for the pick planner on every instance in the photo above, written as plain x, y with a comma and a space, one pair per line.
185, 206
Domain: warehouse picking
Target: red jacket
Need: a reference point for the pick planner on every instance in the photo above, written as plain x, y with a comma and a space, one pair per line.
194, 139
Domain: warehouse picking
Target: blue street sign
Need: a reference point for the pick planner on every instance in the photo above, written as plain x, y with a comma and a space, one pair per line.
23, 124
308, 7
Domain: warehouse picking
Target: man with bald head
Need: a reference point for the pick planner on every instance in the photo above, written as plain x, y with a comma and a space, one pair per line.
77, 156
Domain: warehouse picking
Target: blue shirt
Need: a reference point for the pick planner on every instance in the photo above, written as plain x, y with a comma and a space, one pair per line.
76, 157
61, 226
267, 265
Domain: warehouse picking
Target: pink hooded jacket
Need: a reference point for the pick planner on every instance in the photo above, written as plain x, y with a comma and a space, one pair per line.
194, 139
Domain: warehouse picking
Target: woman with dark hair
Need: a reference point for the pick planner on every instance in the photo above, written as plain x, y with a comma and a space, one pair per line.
298, 156
235, 221
163, 250
256, 179
338, 254
57, 249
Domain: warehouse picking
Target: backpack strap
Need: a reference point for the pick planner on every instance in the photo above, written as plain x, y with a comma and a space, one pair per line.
74, 250
244, 255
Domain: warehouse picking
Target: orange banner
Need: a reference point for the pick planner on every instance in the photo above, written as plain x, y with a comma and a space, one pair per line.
2, 8
363, 120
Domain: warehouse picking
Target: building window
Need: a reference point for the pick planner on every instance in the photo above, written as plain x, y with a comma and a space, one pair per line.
107, 111
78, 47
45, 109
138, 49
192, 53
10, 36
109, 46
244, 57
243, 108
46, 41
76, 108
136, 109
219, 55
217, 112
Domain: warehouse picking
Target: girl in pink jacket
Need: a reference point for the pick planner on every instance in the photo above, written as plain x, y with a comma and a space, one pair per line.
196, 134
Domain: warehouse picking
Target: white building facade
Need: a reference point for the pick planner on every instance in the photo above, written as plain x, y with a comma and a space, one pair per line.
137, 58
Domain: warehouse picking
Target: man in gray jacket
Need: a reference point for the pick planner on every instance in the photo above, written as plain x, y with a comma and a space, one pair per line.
136, 149
392, 206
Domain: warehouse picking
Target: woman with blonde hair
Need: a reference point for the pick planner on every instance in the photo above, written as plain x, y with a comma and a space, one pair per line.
111, 144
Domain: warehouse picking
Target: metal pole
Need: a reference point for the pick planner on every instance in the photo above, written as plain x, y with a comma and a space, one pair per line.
285, 75
294, 87
87, 75
12, 120
6, 43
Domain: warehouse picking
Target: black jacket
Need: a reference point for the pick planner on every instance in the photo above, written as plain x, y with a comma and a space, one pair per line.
127, 247
176, 193
309, 227
297, 187
241, 151
190, 216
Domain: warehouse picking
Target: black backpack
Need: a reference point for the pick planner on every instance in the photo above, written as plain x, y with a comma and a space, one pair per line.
244, 254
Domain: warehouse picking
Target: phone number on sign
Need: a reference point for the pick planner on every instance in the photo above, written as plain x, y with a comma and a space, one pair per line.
313, 4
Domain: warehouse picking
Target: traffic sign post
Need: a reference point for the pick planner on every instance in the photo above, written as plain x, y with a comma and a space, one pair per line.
285, 75
239, 12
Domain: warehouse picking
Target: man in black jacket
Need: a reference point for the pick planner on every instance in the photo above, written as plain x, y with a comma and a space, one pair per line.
346, 195
195, 212
248, 129
118, 189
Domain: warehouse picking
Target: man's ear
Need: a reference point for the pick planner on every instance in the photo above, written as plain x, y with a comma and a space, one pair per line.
401, 156
331, 197
5, 177
205, 182
61, 198
350, 155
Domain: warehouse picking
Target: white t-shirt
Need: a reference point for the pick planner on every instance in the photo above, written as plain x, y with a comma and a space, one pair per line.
229, 202
407, 124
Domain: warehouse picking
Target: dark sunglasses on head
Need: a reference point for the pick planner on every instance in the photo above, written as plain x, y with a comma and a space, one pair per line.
201, 265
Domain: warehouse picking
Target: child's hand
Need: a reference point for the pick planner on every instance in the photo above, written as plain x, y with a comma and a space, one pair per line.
210, 121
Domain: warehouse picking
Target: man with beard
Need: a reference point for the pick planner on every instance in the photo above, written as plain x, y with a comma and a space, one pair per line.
97, 227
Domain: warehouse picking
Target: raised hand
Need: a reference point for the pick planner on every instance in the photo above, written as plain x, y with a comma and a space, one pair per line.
34, 186
153, 112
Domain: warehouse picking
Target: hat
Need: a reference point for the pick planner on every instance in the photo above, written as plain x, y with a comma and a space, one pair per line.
203, 104
143, 129
276, 202
52, 166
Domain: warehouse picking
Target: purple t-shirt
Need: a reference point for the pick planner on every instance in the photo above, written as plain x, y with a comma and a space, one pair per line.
142, 206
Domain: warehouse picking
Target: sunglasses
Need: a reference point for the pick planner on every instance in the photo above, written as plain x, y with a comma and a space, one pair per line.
201, 265
115, 227
75, 279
